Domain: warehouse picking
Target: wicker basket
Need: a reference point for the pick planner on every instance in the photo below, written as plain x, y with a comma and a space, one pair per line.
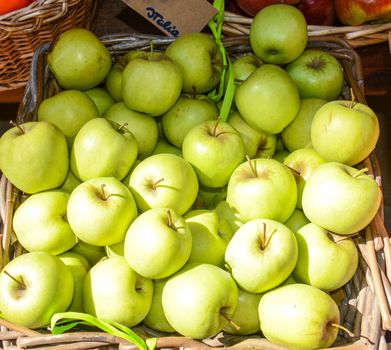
24, 30
364, 302
356, 36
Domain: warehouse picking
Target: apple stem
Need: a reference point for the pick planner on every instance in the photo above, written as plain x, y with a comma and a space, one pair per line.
17, 126
155, 184
294, 171
170, 222
265, 239
215, 127
237, 327
194, 92
105, 197
17, 281
351, 334
252, 165
361, 171
151, 48
122, 127
353, 100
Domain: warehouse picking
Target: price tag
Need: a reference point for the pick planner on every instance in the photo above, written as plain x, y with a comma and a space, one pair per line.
175, 17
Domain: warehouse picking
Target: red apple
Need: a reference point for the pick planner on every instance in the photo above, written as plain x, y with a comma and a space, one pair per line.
355, 12
252, 7
318, 12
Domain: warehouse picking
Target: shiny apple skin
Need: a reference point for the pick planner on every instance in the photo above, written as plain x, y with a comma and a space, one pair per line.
318, 12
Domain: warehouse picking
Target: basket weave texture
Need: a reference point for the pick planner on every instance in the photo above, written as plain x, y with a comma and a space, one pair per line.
24, 30
364, 302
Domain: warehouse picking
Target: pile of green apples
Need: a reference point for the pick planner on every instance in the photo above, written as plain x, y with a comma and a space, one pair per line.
145, 206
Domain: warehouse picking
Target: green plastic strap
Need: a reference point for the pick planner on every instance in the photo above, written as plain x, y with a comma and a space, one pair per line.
226, 87
64, 321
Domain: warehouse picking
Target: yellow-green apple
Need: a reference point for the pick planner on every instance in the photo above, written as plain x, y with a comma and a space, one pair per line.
244, 65
155, 318
278, 34
151, 83
245, 317
261, 255
92, 253
208, 246
214, 149
299, 316
101, 98
199, 59
163, 146
33, 287
229, 220
268, 99
100, 211
199, 300
142, 126
69, 110
187, 112
326, 261
341, 198
296, 220
70, 183
158, 243
262, 188
257, 143
345, 131
357, 12
298, 133
302, 162
40, 223
114, 292
252, 7
208, 198
164, 181
34, 156
281, 155
103, 148
79, 60
317, 74
318, 12
115, 249
79, 266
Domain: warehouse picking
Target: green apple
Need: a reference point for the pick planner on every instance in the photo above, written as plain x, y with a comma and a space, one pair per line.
302, 162
40, 223
317, 74
298, 133
199, 300
79, 266
245, 317
92, 253
244, 65
101, 98
345, 131
257, 143
341, 198
158, 243
79, 60
187, 112
261, 255
229, 220
164, 180
299, 316
103, 148
156, 318
326, 261
113, 81
296, 220
268, 99
115, 249
214, 149
70, 183
262, 188
208, 246
199, 59
208, 198
112, 291
278, 34
151, 83
281, 155
101, 210
143, 127
163, 146
69, 110
34, 156
33, 287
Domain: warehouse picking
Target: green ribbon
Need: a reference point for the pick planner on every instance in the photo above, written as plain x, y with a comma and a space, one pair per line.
64, 321
226, 88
